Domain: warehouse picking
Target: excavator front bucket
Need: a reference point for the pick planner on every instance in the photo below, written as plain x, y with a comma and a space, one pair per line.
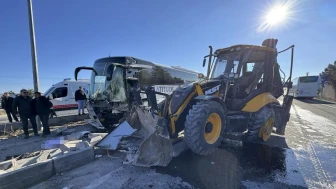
151, 141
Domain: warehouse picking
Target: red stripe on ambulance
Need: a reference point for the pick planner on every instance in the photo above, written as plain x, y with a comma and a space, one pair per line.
65, 106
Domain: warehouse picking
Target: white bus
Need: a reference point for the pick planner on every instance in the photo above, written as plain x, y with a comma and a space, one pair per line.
305, 87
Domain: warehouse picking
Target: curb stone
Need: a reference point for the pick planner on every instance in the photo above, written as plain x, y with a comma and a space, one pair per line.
27, 176
38, 172
73, 159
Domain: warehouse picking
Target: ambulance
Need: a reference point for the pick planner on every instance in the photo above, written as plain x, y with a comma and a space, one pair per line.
62, 94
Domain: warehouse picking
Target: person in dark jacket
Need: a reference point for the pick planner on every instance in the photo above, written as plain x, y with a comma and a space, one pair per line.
80, 98
42, 106
7, 103
24, 104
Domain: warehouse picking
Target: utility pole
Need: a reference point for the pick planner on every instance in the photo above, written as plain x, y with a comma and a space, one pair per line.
33, 46
33, 54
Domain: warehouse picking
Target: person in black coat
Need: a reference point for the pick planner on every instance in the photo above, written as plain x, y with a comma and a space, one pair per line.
7, 102
41, 106
23, 103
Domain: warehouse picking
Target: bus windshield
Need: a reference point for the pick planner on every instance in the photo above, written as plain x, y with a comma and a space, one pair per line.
112, 90
308, 79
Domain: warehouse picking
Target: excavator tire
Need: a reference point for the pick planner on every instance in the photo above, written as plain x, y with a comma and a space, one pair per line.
204, 126
260, 125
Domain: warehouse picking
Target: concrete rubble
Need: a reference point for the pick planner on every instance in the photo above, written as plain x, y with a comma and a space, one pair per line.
8, 165
95, 140
54, 148
111, 141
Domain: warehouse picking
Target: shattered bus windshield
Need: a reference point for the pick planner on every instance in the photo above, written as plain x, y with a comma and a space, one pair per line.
113, 89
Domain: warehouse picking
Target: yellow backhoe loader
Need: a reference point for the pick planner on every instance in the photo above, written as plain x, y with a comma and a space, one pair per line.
237, 99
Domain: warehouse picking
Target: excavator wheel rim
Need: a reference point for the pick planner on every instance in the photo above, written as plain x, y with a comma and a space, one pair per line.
214, 134
266, 130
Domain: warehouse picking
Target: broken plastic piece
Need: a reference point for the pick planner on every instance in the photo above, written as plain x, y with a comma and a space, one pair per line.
111, 141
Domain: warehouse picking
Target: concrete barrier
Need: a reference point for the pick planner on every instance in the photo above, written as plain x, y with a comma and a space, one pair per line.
73, 159
5, 127
38, 172
27, 176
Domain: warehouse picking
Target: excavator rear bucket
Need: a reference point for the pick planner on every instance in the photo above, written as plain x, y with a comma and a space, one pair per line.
152, 141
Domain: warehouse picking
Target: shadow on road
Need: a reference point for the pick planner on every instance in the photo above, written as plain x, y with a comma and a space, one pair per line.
234, 165
314, 101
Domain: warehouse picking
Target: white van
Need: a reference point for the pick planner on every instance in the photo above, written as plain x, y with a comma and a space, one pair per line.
62, 94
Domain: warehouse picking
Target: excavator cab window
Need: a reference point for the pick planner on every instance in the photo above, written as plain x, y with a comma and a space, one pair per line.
225, 63
251, 78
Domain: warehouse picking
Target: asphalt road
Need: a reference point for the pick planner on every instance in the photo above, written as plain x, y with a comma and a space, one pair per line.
304, 158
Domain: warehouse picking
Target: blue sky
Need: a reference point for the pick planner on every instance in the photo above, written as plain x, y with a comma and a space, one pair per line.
77, 32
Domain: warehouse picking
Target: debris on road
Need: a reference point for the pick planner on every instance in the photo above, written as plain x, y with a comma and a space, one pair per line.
112, 140
44, 155
92, 135
95, 140
52, 148
56, 153
98, 156
77, 135
69, 131
58, 142
109, 172
8, 165
60, 130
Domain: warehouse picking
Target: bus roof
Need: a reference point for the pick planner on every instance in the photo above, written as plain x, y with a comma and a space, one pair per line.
140, 61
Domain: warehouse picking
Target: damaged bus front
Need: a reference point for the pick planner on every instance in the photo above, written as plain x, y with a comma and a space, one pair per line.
113, 79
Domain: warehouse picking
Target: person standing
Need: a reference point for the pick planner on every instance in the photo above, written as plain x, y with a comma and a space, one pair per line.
23, 103
42, 106
80, 98
7, 103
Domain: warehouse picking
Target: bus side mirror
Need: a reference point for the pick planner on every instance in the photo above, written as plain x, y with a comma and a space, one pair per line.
204, 61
